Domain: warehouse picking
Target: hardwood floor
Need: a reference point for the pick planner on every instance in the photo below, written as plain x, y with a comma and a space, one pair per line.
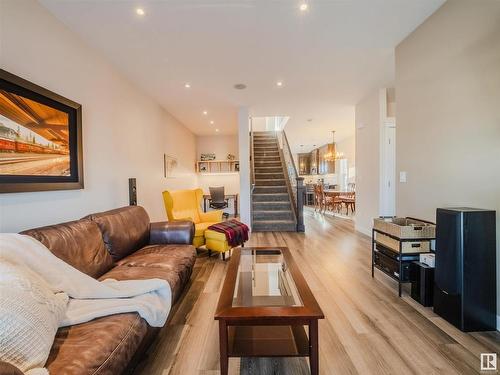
367, 330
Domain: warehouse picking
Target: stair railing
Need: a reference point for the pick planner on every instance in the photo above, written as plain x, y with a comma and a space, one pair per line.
252, 168
294, 181
252, 164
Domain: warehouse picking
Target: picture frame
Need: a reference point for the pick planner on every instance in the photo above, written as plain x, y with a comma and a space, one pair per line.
170, 165
41, 146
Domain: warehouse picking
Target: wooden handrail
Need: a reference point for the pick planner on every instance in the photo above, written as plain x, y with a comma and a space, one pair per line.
252, 165
299, 192
290, 152
288, 182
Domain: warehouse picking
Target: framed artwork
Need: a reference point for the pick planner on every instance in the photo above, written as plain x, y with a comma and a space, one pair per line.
40, 138
169, 166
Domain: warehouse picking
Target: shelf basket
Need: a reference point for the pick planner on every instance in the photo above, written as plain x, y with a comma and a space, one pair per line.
405, 228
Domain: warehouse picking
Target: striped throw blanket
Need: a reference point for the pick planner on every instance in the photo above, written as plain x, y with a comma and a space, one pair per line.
236, 232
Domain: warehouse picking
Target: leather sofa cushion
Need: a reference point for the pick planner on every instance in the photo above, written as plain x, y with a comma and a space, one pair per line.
168, 256
151, 262
124, 230
102, 346
78, 243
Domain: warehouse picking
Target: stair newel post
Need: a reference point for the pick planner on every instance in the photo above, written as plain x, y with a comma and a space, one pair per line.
301, 194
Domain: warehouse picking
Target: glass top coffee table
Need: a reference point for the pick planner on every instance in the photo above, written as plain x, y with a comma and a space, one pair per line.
264, 307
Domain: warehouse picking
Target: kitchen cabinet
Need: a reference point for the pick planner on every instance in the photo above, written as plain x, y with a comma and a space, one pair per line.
314, 163
304, 163
325, 166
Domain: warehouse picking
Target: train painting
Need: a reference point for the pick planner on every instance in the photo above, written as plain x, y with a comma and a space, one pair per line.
41, 145
33, 138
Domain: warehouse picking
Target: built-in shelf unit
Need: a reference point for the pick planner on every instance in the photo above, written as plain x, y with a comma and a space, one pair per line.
218, 166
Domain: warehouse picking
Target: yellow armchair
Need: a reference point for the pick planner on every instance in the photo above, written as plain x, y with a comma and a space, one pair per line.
186, 204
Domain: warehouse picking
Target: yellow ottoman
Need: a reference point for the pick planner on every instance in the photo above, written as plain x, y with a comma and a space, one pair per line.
215, 241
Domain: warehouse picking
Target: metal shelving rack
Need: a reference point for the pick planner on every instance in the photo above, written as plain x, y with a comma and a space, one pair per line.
399, 254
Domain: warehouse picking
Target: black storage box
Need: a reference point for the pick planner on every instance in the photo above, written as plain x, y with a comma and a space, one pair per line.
422, 283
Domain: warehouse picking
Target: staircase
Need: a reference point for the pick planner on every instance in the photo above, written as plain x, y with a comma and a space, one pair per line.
271, 202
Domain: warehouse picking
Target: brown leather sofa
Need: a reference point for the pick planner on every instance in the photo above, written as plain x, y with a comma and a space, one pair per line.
120, 244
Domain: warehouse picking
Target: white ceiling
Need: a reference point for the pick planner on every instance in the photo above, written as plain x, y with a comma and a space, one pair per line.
328, 57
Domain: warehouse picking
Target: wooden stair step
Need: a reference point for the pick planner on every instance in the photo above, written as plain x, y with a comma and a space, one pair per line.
273, 226
270, 197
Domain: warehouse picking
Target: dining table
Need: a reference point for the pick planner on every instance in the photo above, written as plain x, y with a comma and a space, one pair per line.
337, 193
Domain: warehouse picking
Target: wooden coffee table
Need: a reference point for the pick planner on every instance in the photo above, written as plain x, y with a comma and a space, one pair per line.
264, 307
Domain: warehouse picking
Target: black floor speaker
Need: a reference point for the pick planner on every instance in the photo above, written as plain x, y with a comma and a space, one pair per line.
465, 291
132, 192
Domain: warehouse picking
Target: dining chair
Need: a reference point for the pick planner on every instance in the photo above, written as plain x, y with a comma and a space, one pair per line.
318, 198
328, 201
349, 200
337, 203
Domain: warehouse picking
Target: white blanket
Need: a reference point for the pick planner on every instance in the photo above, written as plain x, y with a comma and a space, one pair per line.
89, 298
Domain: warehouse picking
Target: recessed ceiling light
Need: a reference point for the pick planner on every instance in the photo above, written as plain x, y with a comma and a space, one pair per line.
303, 7
240, 86
205, 113
217, 130
279, 83
212, 122
187, 85
140, 11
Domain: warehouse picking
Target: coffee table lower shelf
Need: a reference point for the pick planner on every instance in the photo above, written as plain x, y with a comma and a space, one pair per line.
267, 341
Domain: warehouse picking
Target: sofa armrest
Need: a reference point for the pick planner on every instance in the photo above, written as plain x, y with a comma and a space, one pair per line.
8, 369
171, 232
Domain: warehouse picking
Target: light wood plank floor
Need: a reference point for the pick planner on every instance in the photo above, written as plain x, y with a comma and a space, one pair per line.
367, 330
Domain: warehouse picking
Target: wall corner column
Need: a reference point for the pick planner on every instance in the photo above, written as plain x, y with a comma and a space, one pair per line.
244, 155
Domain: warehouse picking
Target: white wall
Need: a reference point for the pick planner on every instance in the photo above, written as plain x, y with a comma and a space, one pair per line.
347, 146
259, 124
221, 145
368, 118
448, 112
244, 156
125, 133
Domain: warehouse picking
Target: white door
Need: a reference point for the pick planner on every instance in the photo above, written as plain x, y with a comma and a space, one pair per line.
388, 170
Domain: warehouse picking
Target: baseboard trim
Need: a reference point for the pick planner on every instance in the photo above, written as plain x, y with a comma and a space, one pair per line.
365, 231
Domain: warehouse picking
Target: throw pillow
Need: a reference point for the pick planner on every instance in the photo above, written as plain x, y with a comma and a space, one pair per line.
29, 317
